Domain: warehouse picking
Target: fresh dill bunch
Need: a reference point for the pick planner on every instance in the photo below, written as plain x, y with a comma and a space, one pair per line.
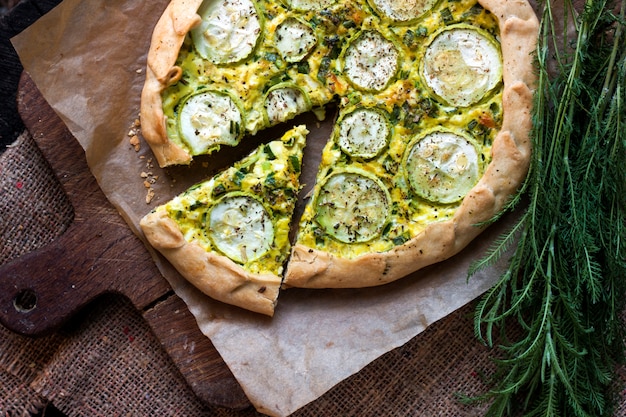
565, 283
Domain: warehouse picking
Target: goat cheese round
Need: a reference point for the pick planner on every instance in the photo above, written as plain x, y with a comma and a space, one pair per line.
241, 228
371, 61
208, 119
462, 65
442, 166
228, 32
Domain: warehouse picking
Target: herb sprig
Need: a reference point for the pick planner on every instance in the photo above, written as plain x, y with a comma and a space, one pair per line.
565, 284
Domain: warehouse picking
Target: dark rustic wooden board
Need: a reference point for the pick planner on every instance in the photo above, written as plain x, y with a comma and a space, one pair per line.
99, 254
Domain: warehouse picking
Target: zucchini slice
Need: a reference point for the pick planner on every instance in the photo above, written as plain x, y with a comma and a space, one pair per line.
285, 101
364, 132
371, 61
462, 64
352, 206
228, 32
402, 11
208, 119
241, 227
442, 166
294, 39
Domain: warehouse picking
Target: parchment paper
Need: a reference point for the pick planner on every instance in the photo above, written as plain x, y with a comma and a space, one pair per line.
87, 57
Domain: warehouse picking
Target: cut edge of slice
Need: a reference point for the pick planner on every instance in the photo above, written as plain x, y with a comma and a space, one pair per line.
283, 102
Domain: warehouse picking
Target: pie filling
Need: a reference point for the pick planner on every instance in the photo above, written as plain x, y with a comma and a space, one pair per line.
418, 86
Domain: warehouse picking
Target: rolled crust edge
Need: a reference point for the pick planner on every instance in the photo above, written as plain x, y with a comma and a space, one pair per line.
179, 17
213, 274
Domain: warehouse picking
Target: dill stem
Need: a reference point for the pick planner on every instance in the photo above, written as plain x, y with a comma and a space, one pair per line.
566, 280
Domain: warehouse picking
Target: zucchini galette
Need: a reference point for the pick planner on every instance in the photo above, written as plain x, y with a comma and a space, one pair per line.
430, 139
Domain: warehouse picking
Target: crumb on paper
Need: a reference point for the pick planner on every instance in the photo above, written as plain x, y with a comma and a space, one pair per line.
149, 195
149, 179
134, 141
133, 134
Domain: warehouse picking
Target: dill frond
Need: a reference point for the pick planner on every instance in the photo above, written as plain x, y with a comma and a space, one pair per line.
565, 284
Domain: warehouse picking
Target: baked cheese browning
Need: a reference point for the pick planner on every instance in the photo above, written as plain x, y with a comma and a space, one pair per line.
462, 65
442, 166
241, 228
209, 119
352, 206
229, 30
402, 11
371, 61
364, 132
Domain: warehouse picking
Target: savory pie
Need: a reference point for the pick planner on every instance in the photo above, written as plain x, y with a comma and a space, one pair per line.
431, 135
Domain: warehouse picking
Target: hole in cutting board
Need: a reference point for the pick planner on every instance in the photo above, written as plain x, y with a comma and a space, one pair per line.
25, 301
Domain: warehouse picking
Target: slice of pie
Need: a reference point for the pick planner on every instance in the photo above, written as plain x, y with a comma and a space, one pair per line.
229, 235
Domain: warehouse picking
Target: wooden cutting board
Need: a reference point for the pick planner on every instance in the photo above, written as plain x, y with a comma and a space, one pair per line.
98, 254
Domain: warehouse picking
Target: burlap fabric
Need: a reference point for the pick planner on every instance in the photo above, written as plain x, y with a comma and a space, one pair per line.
106, 361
